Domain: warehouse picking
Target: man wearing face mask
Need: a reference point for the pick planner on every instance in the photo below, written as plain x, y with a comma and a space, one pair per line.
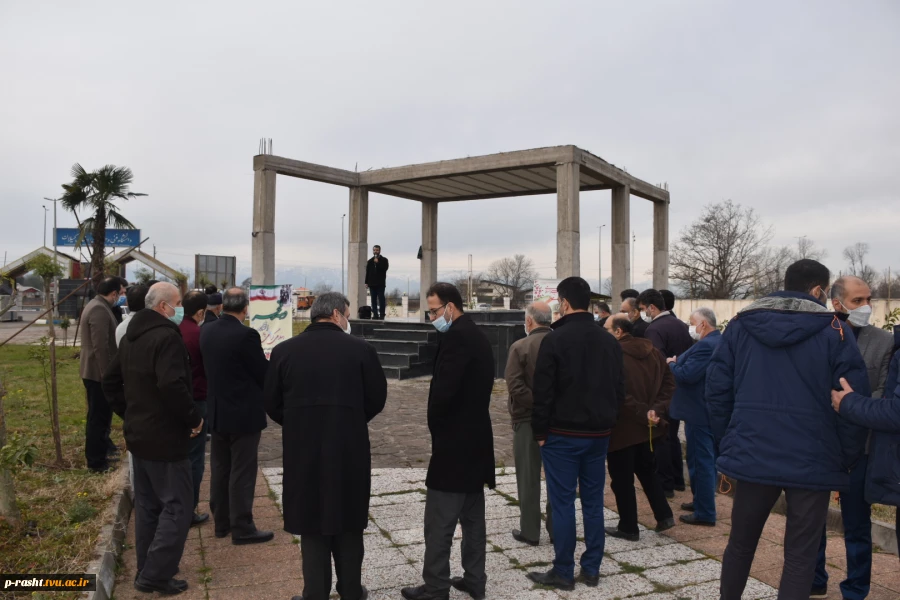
768, 394
323, 387
630, 308
235, 374
519, 380
148, 384
462, 449
851, 297
689, 406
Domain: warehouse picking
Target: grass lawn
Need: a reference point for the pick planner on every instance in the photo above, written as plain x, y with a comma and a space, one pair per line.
62, 508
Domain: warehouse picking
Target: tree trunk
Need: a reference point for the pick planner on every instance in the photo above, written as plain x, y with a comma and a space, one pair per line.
54, 398
9, 510
99, 245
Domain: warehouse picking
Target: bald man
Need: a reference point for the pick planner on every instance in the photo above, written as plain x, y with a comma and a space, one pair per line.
519, 377
160, 419
851, 298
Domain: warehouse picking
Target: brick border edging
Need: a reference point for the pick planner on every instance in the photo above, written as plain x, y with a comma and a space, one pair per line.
112, 536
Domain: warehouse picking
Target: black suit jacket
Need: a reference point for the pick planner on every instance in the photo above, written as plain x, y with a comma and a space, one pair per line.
235, 374
459, 418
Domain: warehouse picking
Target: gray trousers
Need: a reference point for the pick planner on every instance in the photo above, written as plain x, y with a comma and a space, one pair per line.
163, 507
232, 483
443, 510
527, 454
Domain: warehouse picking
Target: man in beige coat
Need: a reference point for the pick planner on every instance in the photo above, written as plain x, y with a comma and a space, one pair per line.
98, 346
519, 377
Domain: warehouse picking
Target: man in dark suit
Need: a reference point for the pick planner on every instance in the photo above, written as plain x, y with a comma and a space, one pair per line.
213, 304
673, 338
462, 449
638, 325
323, 386
235, 374
376, 281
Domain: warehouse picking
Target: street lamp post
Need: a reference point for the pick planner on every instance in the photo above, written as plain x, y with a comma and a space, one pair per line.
342, 252
46, 210
600, 269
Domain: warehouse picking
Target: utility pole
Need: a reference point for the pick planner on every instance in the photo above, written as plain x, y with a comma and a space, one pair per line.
600, 270
469, 287
342, 252
55, 254
46, 210
154, 266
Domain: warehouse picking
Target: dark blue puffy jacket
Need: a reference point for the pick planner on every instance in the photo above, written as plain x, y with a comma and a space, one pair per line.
768, 393
688, 403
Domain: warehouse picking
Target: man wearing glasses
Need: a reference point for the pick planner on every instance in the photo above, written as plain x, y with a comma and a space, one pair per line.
462, 449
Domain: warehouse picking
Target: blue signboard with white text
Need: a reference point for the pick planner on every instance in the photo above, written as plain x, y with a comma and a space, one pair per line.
115, 238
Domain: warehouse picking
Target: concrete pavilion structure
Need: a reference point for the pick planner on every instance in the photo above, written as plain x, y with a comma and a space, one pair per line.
561, 170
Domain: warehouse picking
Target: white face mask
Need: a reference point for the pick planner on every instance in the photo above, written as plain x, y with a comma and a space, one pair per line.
647, 318
347, 329
694, 334
859, 316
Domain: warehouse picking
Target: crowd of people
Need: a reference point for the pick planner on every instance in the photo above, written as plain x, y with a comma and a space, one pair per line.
798, 396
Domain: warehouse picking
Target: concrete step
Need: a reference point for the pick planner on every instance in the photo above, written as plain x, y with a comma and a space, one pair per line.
406, 335
423, 350
399, 360
407, 372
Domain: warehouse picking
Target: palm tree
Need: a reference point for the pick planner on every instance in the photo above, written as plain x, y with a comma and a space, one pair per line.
97, 192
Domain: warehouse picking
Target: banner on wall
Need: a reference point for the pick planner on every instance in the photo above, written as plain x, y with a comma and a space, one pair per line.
271, 314
545, 290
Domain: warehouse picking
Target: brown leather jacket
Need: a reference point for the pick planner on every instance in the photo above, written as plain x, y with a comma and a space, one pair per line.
649, 385
520, 374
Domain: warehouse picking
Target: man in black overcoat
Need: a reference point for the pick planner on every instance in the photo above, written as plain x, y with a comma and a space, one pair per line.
323, 387
462, 449
235, 373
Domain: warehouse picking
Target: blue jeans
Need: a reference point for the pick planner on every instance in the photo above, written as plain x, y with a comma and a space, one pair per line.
856, 514
378, 302
701, 460
571, 462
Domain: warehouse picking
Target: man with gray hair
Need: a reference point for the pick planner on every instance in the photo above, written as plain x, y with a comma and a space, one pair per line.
323, 387
689, 405
235, 374
851, 298
519, 378
148, 384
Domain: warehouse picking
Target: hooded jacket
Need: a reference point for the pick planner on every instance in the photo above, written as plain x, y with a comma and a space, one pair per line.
148, 384
648, 386
579, 383
768, 394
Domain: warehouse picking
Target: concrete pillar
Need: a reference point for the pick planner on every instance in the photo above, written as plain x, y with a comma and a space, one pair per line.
358, 248
568, 237
263, 245
404, 307
621, 240
661, 245
507, 302
428, 266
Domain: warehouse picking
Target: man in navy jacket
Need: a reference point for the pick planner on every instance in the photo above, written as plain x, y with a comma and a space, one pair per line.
768, 393
689, 405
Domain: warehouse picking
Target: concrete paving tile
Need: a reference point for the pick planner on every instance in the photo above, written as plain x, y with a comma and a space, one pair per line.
500, 526
691, 573
375, 542
660, 556
768, 556
771, 577
881, 593
399, 523
687, 533
529, 555
253, 575
390, 511
883, 563
405, 537
239, 556
384, 557
508, 584
379, 578
259, 591
714, 546
649, 539
501, 512
617, 586
891, 580
755, 590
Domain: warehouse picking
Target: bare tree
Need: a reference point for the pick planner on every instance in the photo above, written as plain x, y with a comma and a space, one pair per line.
856, 259
721, 254
888, 286
514, 275
461, 280
321, 288
806, 248
769, 275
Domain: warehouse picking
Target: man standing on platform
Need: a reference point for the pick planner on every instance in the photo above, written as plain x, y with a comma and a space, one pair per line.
376, 281
235, 372
519, 381
323, 387
462, 449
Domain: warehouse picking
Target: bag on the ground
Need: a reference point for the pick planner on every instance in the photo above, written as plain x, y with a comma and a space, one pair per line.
365, 312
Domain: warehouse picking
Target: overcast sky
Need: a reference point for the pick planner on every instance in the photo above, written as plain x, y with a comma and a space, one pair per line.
791, 108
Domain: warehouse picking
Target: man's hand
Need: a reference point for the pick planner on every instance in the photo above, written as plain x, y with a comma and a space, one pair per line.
671, 359
376, 260
195, 432
542, 442
652, 418
838, 396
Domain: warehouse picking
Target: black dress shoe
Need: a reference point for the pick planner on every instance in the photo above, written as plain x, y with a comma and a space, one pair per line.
257, 537
680, 488
169, 588
551, 579
517, 535
622, 535
420, 593
687, 506
692, 520
460, 584
222, 534
670, 494
589, 580
664, 525
198, 518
